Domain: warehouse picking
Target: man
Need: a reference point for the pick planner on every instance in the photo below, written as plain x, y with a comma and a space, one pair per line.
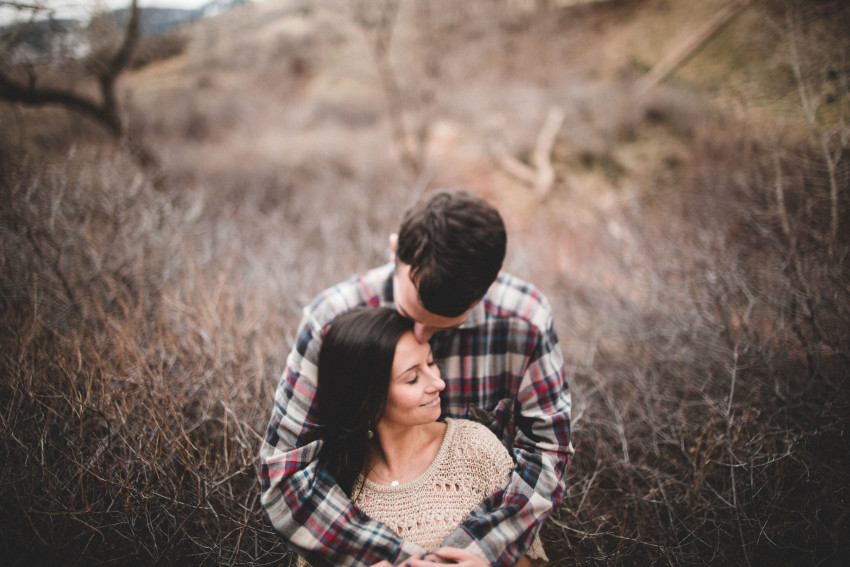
494, 338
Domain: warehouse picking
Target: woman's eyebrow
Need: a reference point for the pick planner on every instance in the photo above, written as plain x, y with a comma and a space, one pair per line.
403, 372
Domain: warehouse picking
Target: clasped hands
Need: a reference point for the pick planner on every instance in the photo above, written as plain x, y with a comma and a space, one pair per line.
445, 555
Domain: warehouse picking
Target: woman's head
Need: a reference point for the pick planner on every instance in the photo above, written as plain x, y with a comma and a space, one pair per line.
355, 366
355, 363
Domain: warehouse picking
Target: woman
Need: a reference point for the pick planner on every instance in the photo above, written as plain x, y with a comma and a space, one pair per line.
378, 400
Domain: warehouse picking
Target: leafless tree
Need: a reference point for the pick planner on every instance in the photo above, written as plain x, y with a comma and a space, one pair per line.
22, 81
823, 88
408, 112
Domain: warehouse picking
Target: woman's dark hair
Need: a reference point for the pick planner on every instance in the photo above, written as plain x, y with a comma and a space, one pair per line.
455, 244
355, 363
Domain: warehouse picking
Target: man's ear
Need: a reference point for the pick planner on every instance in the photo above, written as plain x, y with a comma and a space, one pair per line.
393, 246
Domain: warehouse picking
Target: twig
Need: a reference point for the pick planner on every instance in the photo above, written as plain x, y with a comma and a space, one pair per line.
587, 489
542, 176
512, 165
685, 50
810, 113
603, 534
543, 151
732, 388
618, 417
411, 147
780, 199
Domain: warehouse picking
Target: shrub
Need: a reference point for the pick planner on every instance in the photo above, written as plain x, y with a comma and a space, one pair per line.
712, 414
133, 377
158, 48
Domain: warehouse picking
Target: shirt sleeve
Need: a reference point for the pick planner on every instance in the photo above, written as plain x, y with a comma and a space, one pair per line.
503, 527
302, 501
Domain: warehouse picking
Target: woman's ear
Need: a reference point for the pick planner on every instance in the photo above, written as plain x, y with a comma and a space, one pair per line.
393, 246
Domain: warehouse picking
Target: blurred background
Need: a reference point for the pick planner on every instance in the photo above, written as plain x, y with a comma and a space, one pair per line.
179, 180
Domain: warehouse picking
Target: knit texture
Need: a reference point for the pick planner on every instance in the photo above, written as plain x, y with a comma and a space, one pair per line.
471, 464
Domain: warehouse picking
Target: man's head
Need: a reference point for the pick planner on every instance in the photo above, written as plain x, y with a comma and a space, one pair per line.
449, 251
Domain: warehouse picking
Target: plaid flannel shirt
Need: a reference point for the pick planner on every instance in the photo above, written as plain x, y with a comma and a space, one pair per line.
503, 367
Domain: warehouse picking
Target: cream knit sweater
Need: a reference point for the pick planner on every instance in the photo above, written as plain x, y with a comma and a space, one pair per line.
470, 465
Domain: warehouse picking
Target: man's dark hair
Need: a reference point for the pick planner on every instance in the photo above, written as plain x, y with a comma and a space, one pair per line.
455, 244
355, 364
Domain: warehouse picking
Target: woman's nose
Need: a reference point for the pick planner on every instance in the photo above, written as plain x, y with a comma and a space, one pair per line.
437, 383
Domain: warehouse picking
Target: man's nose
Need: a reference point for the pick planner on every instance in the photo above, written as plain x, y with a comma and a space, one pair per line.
423, 333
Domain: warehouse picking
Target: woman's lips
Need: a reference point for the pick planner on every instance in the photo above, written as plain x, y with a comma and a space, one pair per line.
432, 403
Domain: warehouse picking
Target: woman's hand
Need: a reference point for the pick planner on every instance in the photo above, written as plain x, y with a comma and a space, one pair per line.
447, 555
459, 557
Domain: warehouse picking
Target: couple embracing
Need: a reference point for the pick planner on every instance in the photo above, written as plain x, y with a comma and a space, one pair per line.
424, 413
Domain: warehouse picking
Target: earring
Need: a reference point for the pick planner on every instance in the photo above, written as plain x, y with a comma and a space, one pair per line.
370, 434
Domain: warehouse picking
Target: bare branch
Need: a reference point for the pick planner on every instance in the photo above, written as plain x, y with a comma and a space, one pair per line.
32, 95
542, 176
34, 6
684, 51
104, 111
543, 151
810, 110
512, 165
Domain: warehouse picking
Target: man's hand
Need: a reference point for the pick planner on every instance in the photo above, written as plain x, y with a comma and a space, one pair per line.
446, 555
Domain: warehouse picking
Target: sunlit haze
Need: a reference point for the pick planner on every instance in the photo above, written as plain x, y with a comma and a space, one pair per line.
80, 8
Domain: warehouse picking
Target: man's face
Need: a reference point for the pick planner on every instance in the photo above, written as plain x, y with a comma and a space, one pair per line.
408, 304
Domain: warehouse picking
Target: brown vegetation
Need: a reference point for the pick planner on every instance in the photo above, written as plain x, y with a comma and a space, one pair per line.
693, 242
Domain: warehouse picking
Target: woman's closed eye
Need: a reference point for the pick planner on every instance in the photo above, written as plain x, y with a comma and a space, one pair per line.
414, 377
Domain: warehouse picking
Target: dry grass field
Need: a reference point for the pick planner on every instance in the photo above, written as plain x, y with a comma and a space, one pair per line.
693, 240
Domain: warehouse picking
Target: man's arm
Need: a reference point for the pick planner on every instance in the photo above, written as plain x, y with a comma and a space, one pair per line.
300, 499
503, 527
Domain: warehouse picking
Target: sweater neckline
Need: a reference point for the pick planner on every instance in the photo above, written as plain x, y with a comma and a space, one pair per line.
451, 427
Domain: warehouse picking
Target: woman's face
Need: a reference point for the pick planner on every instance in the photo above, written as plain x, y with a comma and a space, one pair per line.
415, 385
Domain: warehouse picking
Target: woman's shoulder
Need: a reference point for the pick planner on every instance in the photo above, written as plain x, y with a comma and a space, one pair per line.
467, 426
472, 452
471, 437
